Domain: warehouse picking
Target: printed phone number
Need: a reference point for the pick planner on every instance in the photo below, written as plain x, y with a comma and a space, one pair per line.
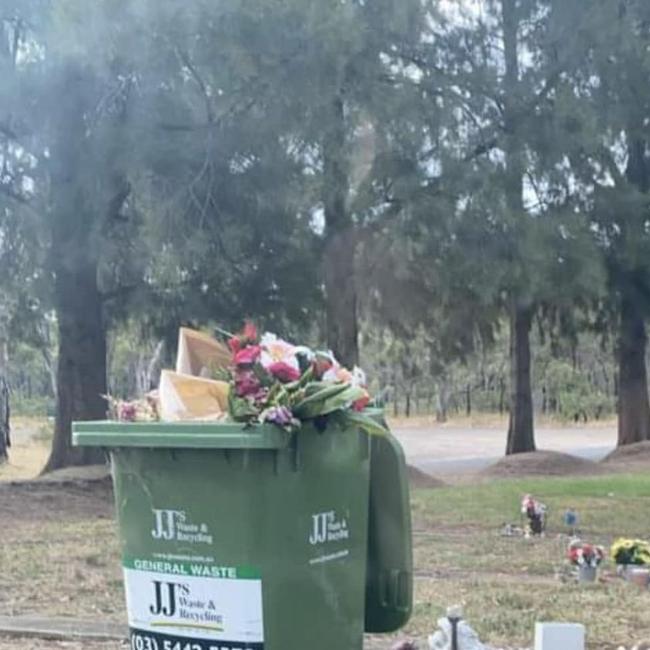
145, 642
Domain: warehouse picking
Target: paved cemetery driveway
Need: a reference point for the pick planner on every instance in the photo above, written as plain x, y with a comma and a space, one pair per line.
453, 449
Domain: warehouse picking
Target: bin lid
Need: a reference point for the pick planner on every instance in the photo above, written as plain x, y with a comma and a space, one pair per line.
181, 435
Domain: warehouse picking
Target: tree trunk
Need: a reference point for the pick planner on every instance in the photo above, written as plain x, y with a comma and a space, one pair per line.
81, 363
50, 366
502, 395
81, 370
340, 243
521, 436
442, 405
468, 400
633, 406
5, 424
341, 298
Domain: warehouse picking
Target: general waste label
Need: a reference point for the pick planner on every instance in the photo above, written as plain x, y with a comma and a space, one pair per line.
193, 606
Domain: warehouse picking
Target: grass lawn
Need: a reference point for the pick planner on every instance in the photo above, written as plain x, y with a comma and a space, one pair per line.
506, 584
59, 557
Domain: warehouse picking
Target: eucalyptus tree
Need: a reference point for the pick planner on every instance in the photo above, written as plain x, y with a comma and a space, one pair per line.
603, 115
137, 197
491, 69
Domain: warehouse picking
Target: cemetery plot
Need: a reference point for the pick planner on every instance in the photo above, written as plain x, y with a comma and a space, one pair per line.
59, 555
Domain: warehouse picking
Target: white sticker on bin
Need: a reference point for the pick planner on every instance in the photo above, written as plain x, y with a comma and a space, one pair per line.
193, 605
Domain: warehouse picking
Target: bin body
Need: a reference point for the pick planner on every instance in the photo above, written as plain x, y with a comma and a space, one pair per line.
239, 539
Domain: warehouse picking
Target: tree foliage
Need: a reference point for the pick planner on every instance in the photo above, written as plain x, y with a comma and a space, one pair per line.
408, 181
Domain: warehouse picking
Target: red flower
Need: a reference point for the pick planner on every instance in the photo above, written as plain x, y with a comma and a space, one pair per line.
361, 403
248, 355
234, 344
284, 372
321, 365
250, 332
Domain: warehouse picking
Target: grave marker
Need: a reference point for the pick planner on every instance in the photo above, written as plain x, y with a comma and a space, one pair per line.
556, 636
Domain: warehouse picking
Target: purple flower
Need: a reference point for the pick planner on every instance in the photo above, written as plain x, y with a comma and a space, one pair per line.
127, 412
279, 415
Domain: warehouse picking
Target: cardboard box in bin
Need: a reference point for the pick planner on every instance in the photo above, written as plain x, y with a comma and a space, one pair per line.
188, 393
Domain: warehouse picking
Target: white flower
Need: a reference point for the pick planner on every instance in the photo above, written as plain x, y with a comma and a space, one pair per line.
359, 377
276, 350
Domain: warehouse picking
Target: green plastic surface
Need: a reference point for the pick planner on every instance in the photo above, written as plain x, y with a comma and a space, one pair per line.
287, 512
181, 435
389, 591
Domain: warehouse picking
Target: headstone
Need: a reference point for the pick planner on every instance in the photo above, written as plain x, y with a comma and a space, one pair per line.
553, 636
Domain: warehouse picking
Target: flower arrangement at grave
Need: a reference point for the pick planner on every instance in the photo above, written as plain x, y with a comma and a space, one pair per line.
582, 554
274, 381
535, 513
630, 552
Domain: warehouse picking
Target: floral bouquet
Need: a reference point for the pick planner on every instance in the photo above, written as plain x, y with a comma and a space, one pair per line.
274, 381
535, 513
631, 551
581, 554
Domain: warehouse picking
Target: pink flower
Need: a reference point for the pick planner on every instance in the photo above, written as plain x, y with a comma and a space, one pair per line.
284, 372
247, 336
247, 384
250, 332
338, 373
127, 412
248, 355
275, 350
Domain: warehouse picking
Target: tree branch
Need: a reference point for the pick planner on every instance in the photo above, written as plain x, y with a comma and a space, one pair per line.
200, 82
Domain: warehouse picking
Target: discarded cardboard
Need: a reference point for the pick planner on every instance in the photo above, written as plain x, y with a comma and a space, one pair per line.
183, 397
199, 354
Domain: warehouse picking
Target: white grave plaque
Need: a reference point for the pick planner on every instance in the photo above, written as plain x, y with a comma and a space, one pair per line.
559, 636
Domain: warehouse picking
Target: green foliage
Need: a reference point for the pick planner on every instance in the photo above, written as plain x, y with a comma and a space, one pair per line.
573, 396
37, 406
195, 158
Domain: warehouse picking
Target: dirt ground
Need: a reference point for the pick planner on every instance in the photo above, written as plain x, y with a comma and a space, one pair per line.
53, 537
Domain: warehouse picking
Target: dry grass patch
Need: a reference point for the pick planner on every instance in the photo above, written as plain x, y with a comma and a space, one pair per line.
508, 583
60, 557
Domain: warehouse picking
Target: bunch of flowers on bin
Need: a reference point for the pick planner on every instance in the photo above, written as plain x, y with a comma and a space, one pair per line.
631, 551
275, 381
587, 555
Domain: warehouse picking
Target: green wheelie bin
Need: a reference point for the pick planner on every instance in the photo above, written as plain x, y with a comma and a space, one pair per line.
243, 538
